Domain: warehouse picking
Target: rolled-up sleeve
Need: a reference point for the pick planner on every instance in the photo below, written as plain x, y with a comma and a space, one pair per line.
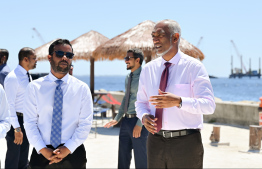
31, 119
11, 87
142, 104
203, 101
85, 121
4, 114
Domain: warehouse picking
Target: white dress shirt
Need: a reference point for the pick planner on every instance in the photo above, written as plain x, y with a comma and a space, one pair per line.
4, 114
15, 85
189, 80
77, 112
5, 69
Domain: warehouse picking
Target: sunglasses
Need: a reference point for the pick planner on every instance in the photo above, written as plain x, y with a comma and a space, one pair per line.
127, 58
61, 54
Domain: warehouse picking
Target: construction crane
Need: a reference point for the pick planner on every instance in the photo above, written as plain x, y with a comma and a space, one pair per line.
199, 41
240, 56
39, 36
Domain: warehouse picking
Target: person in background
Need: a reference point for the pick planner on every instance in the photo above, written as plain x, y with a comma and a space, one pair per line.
4, 115
58, 113
15, 84
4, 69
71, 70
133, 134
174, 93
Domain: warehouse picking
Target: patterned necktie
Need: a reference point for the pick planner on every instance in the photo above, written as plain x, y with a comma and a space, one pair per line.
28, 76
162, 87
128, 92
57, 116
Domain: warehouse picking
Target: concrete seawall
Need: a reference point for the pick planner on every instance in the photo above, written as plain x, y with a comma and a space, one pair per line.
234, 113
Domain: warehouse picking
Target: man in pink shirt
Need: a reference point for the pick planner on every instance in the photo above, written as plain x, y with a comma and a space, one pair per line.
174, 92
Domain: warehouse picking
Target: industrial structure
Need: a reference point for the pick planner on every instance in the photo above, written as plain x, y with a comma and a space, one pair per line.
238, 72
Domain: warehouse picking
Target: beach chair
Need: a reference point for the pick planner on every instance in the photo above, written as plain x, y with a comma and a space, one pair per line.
110, 99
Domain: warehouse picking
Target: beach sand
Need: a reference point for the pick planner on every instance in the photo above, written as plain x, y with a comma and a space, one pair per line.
102, 150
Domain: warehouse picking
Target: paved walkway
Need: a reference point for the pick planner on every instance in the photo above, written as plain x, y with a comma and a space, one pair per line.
102, 150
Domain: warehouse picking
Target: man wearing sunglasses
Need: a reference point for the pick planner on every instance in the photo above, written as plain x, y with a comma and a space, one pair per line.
15, 85
133, 134
4, 69
58, 112
174, 93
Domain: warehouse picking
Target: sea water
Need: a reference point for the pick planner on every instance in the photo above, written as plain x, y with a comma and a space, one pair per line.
224, 88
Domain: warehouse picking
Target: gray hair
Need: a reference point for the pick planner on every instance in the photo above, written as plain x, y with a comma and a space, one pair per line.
173, 27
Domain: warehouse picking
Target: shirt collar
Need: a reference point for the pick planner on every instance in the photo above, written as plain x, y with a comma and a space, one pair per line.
174, 59
2, 66
21, 69
52, 78
137, 71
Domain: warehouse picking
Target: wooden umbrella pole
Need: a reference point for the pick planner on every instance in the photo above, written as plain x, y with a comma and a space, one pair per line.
92, 76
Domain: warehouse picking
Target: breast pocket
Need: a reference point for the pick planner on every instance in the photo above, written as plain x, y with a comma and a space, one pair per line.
183, 90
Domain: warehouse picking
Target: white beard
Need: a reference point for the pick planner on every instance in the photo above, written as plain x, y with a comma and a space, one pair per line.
165, 52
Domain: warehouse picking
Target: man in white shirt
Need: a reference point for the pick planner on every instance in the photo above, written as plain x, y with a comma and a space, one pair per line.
15, 85
174, 93
58, 113
4, 69
4, 115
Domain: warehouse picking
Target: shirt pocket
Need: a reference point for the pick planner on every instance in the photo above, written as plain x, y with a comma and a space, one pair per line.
182, 90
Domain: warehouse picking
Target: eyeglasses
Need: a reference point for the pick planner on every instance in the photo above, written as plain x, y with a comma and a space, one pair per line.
127, 58
61, 54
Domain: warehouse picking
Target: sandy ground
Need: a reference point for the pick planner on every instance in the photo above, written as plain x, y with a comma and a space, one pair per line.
102, 148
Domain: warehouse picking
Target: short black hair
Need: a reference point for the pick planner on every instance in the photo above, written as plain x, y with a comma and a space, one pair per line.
4, 52
58, 42
25, 52
137, 54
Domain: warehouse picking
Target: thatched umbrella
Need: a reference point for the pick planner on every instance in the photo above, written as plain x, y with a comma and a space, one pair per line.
83, 47
139, 37
42, 51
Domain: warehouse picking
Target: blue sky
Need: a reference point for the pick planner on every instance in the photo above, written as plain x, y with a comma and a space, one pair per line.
217, 21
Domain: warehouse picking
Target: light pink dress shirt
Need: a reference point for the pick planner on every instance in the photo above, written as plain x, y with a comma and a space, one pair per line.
188, 79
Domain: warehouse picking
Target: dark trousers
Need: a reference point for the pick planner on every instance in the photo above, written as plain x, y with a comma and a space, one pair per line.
127, 142
177, 152
16, 155
75, 160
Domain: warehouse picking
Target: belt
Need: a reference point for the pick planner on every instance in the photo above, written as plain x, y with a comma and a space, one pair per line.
19, 114
130, 115
176, 133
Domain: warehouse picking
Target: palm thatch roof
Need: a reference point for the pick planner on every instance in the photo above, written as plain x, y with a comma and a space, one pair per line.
190, 49
139, 37
85, 44
42, 51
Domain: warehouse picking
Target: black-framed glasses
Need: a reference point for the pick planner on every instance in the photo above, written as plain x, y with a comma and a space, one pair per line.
127, 58
61, 54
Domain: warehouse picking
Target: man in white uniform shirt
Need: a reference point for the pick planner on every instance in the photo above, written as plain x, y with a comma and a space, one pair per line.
58, 113
174, 93
4, 115
15, 85
4, 69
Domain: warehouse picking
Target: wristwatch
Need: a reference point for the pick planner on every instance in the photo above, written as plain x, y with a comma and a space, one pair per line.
18, 129
180, 104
